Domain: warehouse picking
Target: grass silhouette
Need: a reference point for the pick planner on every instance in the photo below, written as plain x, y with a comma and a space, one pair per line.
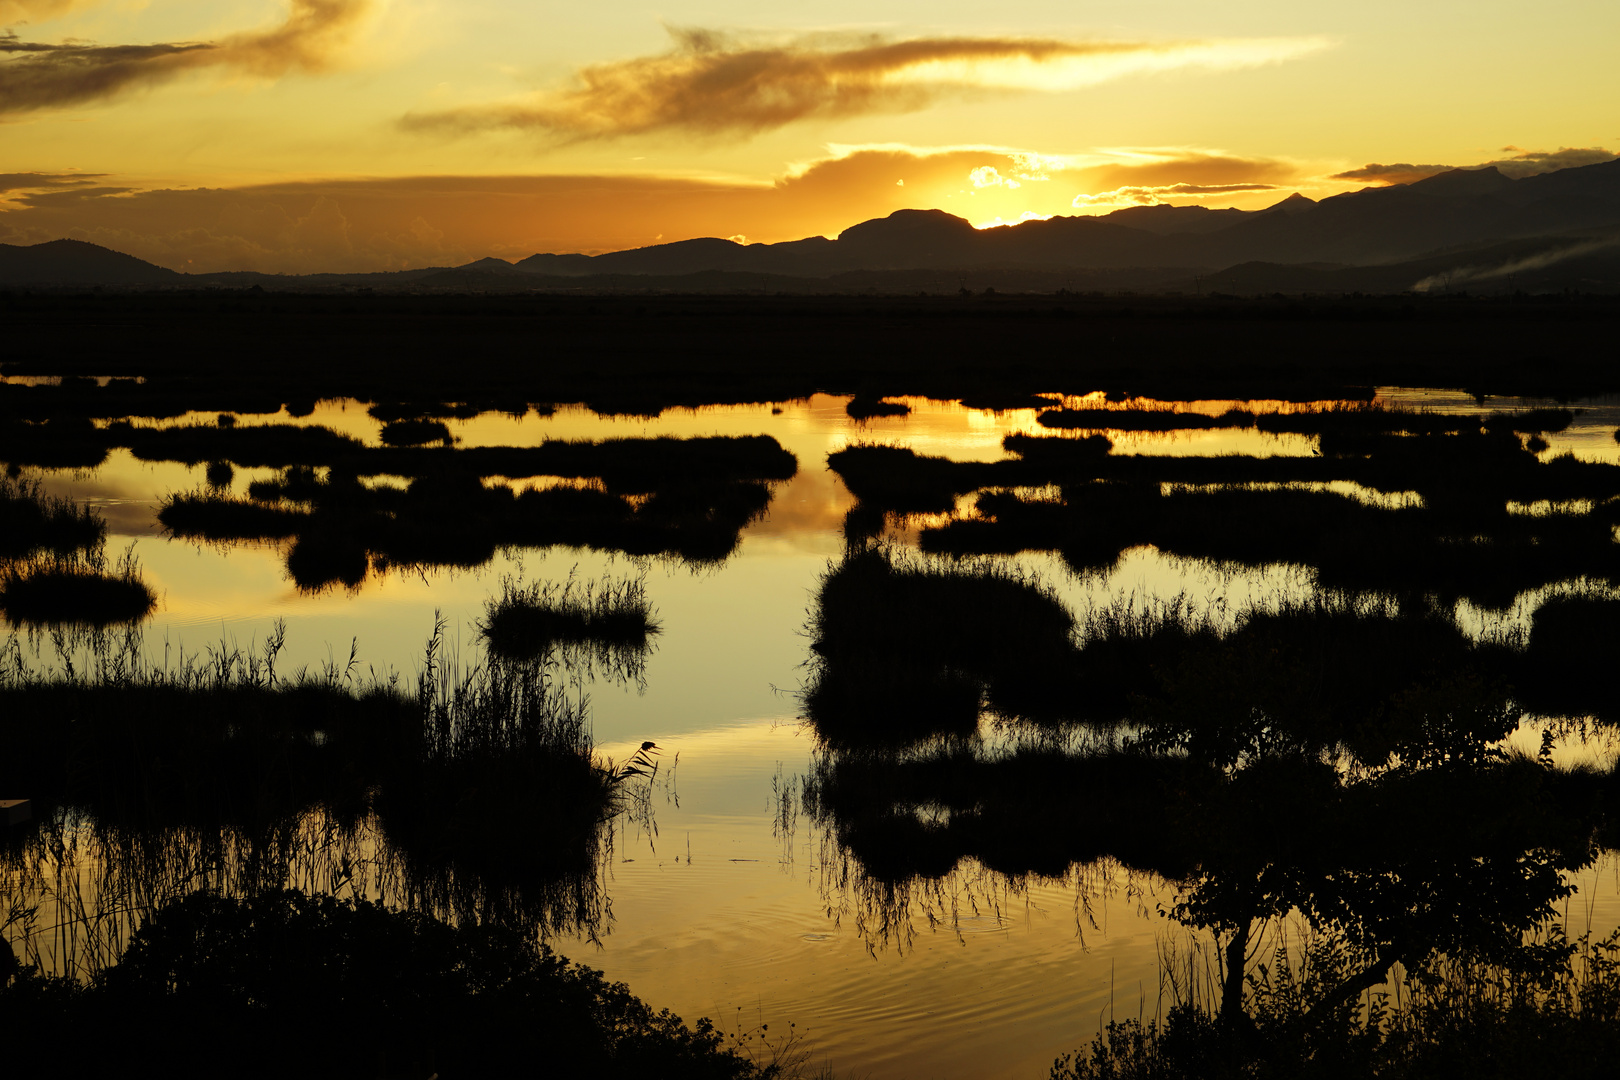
605, 616
32, 522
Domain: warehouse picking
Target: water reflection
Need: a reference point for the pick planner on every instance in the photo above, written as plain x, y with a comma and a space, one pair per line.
979, 739
1225, 666
474, 795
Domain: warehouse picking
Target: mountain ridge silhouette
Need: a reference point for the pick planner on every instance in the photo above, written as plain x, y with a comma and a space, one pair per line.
1442, 217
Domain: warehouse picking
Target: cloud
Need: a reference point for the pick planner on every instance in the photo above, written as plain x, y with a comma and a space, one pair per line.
1523, 163
1157, 168
987, 176
1148, 196
34, 181
712, 82
1145, 177
39, 76
1401, 173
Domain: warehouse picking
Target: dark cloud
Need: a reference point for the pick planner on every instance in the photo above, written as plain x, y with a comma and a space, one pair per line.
65, 194
34, 181
1192, 168
37, 75
1523, 163
1535, 162
712, 82
1392, 174
1148, 196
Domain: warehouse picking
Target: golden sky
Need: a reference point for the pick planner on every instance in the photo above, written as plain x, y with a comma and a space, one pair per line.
301, 135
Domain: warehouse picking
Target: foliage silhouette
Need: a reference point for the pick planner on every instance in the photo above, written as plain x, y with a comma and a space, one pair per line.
296, 977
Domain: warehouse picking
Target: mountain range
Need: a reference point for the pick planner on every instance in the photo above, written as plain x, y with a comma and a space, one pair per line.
1459, 228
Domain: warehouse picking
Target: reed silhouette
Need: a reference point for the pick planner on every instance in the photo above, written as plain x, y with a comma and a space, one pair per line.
79, 591
1160, 419
476, 797
588, 625
54, 568
32, 522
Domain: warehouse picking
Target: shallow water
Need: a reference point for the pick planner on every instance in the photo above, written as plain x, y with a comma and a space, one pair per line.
723, 913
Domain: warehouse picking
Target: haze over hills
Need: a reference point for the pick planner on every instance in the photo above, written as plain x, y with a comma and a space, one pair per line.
1558, 229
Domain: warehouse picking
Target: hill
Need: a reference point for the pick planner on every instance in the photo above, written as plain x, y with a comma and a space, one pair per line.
74, 262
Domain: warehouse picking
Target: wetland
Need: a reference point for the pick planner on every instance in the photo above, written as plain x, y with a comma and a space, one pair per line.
1076, 730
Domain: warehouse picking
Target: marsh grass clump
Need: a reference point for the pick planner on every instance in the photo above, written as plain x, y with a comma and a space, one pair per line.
1159, 419
899, 479
1565, 668
219, 474
601, 619
56, 442
323, 557
870, 408
498, 810
209, 515
1531, 421
628, 466
906, 648
416, 432
32, 522
1090, 524
275, 445
394, 412
297, 483
1363, 417
79, 590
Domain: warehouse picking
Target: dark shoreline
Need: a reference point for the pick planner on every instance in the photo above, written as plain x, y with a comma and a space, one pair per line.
228, 350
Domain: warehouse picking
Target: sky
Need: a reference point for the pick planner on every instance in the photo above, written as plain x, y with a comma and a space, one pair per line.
297, 136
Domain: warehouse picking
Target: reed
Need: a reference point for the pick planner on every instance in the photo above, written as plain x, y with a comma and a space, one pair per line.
275, 445
32, 522
600, 618
1161, 419
209, 515
479, 790
1363, 417
77, 590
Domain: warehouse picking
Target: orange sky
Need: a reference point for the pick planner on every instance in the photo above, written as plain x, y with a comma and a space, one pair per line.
342, 135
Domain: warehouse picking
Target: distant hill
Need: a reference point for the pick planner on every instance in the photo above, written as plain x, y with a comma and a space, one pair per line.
1455, 209
74, 262
1447, 231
